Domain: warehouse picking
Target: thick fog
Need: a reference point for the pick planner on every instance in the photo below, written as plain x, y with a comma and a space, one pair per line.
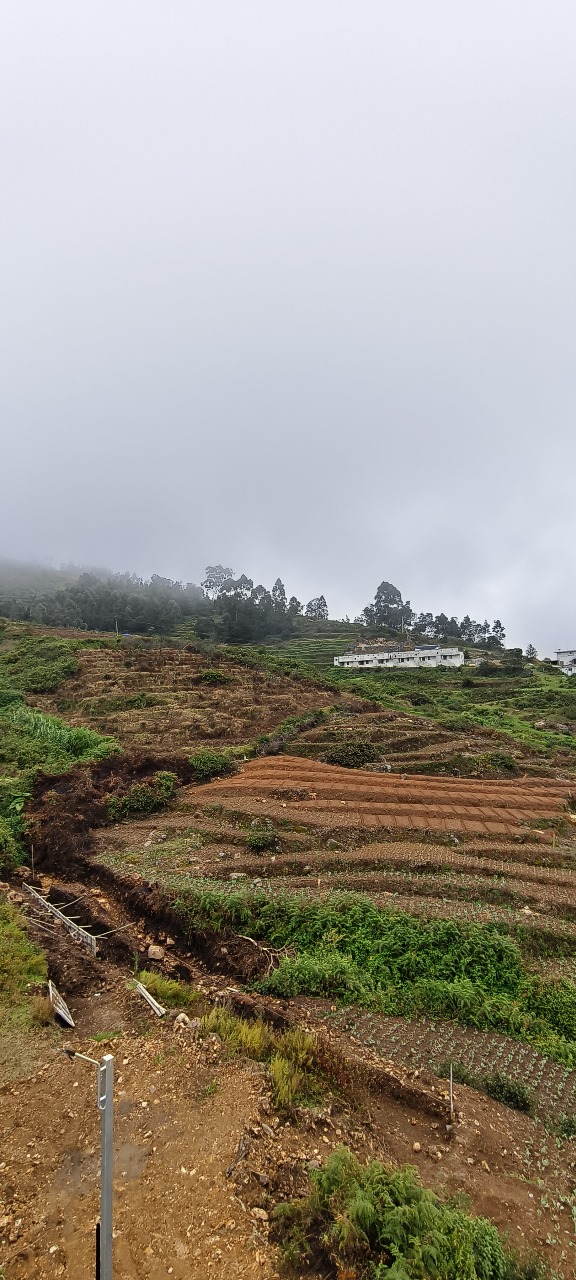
291, 287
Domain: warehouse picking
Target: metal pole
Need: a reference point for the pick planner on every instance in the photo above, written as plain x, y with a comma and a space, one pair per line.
451, 1093
105, 1106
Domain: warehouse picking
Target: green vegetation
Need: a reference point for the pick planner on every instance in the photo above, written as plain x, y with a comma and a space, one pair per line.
210, 675
496, 1085
21, 965
37, 664
289, 729
352, 755
378, 1222
290, 1054
8, 846
173, 994
401, 965
211, 764
261, 837
143, 797
531, 703
29, 740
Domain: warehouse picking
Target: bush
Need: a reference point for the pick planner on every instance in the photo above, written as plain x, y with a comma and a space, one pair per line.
38, 664
500, 1087
9, 854
261, 838
290, 1056
353, 755
76, 742
143, 797
511, 1092
322, 973
379, 1221
209, 675
208, 764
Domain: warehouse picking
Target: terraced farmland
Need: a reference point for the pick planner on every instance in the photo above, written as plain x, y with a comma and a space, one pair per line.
176, 699
321, 797
476, 851
415, 744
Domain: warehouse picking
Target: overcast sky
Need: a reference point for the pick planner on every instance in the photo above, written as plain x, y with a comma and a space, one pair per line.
291, 286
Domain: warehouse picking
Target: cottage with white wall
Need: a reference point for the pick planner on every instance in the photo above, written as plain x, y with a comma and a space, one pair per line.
425, 655
566, 659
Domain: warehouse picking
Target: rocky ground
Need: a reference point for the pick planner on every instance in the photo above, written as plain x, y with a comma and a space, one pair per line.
201, 1156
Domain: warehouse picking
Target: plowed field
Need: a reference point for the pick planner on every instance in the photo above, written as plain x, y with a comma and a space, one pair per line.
451, 848
298, 790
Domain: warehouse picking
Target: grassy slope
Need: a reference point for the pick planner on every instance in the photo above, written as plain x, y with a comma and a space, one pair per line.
512, 705
29, 740
21, 965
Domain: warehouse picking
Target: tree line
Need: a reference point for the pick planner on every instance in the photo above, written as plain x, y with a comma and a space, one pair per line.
390, 611
224, 608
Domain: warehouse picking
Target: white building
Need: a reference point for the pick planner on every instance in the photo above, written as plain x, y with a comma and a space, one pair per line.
425, 655
566, 659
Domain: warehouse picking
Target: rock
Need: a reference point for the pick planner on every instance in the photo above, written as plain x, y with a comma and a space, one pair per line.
154, 952
416, 1146
260, 1214
334, 844
181, 1020
267, 1130
485, 1166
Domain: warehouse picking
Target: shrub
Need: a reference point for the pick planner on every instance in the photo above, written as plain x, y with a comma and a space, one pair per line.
297, 1046
209, 675
566, 1126
143, 797
261, 838
290, 1056
211, 764
321, 973
380, 1221
21, 963
9, 854
287, 1082
500, 1087
42, 1010
353, 755
38, 664
511, 1092
75, 742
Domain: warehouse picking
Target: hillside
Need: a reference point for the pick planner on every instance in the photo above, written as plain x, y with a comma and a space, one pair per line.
396, 875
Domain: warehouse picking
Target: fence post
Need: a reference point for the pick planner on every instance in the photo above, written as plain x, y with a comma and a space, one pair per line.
106, 1108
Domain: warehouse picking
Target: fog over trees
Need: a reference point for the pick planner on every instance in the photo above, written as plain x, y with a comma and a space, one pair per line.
223, 608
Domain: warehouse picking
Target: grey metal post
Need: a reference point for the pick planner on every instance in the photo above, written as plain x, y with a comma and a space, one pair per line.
106, 1108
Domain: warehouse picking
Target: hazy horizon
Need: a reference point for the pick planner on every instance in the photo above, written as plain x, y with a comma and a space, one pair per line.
290, 288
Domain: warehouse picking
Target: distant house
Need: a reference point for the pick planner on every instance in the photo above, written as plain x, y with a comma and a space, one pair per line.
425, 655
566, 659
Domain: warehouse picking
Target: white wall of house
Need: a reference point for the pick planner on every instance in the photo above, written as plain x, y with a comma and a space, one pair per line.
424, 656
567, 661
